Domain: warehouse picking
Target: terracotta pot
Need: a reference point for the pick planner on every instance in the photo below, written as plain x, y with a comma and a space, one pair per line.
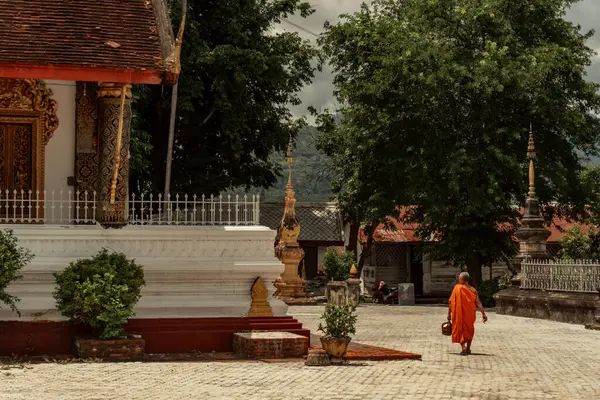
335, 347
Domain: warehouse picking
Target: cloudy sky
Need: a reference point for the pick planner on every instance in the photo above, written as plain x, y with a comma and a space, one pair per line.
319, 95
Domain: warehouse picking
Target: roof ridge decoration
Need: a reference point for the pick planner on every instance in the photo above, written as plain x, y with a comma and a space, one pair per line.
173, 59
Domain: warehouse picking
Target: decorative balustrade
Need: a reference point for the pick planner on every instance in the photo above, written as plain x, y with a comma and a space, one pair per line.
80, 208
561, 275
193, 210
47, 207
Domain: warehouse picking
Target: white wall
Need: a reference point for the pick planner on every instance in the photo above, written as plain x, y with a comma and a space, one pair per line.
60, 150
190, 271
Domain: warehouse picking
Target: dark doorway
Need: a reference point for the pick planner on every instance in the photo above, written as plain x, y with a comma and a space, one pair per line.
311, 259
416, 270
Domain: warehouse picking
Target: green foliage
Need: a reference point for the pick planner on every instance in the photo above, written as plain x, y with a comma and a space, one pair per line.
590, 179
340, 321
576, 244
337, 266
12, 259
100, 292
438, 97
487, 289
238, 79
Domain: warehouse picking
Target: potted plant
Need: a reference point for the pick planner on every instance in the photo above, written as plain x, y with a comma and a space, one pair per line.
98, 296
337, 268
12, 259
339, 322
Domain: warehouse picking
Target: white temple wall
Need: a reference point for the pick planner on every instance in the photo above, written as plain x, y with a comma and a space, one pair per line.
60, 150
190, 272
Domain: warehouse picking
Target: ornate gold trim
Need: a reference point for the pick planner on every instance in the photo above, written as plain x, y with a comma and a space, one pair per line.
28, 101
109, 89
259, 307
32, 96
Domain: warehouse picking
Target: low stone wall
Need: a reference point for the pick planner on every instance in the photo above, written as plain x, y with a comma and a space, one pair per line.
571, 307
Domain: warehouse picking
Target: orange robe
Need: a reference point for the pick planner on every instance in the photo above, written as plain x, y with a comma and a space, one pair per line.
464, 312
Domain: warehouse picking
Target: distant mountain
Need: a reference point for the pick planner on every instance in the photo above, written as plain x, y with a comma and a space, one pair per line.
311, 179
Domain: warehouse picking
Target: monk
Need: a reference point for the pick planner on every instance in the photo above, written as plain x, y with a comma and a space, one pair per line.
462, 312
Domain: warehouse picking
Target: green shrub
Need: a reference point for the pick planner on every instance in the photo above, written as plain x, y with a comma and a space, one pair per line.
337, 266
100, 293
487, 289
12, 259
577, 244
340, 321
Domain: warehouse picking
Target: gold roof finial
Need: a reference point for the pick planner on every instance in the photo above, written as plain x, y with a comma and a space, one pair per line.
531, 157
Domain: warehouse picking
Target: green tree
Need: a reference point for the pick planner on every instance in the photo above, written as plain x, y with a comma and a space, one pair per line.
239, 77
590, 180
577, 244
437, 100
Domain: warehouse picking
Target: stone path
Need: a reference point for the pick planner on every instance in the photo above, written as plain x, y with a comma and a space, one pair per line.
515, 358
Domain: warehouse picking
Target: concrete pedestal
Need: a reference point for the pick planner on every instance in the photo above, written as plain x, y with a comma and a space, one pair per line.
406, 294
337, 293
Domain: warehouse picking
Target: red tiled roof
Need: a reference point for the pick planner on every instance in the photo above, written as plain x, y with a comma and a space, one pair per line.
400, 232
396, 232
104, 34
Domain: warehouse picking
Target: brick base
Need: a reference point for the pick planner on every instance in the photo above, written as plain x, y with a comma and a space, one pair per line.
162, 335
131, 349
269, 345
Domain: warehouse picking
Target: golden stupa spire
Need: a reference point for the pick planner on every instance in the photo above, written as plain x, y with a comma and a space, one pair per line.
288, 250
289, 229
531, 157
290, 160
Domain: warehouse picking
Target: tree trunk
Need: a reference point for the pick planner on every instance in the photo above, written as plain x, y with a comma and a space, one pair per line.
474, 264
353, 237
367, 249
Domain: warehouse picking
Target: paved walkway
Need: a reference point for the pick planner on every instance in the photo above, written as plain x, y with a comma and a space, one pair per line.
515, 358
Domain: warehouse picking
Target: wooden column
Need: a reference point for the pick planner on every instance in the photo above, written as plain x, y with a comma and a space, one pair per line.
114, 122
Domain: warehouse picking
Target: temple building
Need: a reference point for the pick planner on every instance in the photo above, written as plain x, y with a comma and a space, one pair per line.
66, 74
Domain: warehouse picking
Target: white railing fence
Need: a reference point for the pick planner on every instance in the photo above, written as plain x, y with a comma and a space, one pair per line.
49, 207
194, 210
561, 275
75, 207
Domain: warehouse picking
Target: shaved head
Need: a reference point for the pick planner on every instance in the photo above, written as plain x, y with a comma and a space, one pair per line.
464, 277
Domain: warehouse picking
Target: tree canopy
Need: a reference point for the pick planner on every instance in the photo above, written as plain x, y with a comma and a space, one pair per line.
239, 77
438, 97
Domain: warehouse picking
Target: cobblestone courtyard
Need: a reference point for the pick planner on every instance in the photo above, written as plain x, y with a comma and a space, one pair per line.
515, 358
